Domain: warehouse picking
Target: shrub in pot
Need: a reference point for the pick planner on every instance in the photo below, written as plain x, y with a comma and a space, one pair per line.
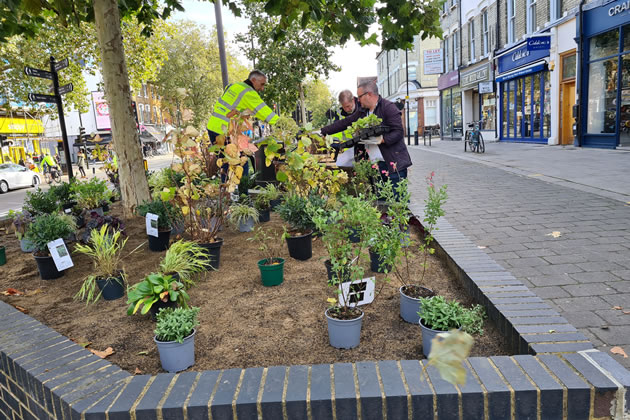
21, 221
105, 248
91, 194
64, 195
293, 210
165, 212
391, 244
183, 260
243, 216
175, 337
94, 221
44, 229
272, 266
263, 205
437, 315
40, 202
272, 194
154, 292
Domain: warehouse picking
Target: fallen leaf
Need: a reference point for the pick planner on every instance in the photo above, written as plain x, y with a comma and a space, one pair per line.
84, 345
12, 292
33, 292
481, 247
21, 309
448, 350
552, 331
619, 350
137, 371
103, 354
626, 312
142, 353
555, 234
617, 307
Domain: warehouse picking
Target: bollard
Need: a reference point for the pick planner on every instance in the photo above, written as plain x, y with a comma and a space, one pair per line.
146, 164
93, 170
415, 138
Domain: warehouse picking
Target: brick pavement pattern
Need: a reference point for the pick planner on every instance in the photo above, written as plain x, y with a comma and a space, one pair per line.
584, 273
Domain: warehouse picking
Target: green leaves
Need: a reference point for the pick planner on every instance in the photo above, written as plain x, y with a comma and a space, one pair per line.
176, 324
439, 314
155, 287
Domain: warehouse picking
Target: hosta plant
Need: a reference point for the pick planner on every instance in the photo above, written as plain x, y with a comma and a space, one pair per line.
154, 288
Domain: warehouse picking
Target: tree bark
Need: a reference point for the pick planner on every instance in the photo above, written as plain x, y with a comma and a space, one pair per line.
134, 187
302, 105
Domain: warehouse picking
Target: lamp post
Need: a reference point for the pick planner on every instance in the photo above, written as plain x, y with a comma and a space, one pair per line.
407, 97
222, 59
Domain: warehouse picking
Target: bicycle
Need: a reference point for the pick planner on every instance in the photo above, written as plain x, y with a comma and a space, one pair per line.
52, 174
474, 139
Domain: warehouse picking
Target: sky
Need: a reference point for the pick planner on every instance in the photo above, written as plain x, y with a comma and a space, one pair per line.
354, 60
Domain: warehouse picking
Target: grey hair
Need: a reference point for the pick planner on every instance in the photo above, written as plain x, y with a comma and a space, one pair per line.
345, 96
369, 86
256, 74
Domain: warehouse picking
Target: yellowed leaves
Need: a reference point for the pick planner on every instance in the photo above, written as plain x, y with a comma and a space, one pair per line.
448, 351
555, 234
103, 354
620, 351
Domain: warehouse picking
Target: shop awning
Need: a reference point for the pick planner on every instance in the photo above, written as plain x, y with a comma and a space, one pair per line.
151, 131
20, 126
521, 72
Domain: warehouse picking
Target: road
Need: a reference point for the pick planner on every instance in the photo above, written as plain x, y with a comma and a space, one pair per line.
13, 199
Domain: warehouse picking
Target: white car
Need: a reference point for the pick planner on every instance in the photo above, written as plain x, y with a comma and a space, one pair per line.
15, 176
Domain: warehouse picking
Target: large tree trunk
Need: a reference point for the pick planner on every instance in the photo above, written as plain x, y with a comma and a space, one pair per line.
133, 181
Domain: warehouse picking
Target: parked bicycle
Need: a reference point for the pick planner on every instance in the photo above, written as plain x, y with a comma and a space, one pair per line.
473, 138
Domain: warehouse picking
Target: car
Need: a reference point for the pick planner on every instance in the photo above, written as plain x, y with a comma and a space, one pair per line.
15, 176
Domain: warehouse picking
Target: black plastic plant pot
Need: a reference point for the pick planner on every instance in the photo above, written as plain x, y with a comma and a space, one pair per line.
213, 250
47, 268
274, 203
68, 206
159, 305
161, 242
376, 263
112, 288
354, 236
300, 247
264, 215
329, 271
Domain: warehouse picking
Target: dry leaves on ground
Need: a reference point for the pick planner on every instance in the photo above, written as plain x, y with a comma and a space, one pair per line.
103, 354
619, 350
555, 234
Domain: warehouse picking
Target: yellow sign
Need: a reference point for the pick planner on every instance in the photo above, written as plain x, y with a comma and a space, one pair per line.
20, 126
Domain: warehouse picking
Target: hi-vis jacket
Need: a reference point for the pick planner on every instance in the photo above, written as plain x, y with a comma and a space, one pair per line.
239, 96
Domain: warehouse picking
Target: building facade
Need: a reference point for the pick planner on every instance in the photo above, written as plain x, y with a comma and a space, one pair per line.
452, 126
411, 76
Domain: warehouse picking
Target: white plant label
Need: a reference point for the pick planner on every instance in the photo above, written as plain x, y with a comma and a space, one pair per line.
67, 211
152, 224
358, 292
60, 254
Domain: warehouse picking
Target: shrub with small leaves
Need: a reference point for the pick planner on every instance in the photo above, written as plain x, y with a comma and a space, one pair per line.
176, 324
439, 314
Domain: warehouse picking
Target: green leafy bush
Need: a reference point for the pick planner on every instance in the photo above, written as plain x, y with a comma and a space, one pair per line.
40, 202
47, 228
165, 178
176, 324
62, 193
439, 314
91, 194
167, 213
186, 259
366, 122
155, 287
241, 213
293, 210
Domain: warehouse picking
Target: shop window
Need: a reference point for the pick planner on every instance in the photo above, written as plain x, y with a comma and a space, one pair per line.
547, 106
537, 104
511, 16
471, 38
626, 38
457, 113
624, 107
484, 32
504, 113
602, 96
488, 111
568, 66
604, 45
531, 16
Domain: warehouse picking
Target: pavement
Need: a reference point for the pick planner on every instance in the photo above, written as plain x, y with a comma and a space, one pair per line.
14, 199
556, 217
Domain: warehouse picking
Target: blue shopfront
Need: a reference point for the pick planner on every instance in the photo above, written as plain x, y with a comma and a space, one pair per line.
524, 92
605, 78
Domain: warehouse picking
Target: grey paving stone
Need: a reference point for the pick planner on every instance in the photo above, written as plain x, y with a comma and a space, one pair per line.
593, 277
508, 248
582, 303
560, 269
528, 262
599, 266
622, 274
551, 292
551, 280
620, 299
613, 335
591, 337
585, 289
615, 316
503, 255
583, 319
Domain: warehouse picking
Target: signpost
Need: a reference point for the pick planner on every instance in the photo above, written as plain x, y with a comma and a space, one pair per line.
55, 67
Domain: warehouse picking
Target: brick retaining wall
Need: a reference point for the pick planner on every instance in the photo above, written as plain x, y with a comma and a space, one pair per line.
43, 375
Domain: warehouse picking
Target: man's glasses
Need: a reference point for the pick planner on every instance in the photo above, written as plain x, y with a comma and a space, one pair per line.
364, 93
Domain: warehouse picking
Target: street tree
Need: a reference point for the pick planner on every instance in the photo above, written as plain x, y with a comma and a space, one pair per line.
318, 99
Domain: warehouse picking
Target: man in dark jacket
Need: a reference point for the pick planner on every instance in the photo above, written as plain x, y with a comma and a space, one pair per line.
350, 108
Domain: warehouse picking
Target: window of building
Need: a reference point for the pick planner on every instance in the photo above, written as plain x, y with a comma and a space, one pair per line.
471, 38
568, 66
484, 32
447, 63
456, 44
141, 113
144, 90
531, 16
555, 9
511, 16
412, 73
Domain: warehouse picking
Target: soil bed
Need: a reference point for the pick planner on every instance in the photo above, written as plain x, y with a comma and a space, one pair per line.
243, 323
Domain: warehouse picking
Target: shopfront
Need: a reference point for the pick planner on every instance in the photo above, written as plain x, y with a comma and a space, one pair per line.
525, 92
23, 135
451, 105
478, 87
606, 75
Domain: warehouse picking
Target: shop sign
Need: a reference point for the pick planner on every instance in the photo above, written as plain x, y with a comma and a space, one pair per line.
607, 16
433, 61
449, 79
20, 126
474, 76
486, 87
101, 109
539, 43
520, 57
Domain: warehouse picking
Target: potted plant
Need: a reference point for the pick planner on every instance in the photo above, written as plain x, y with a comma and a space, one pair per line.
175, 338
391, 242
273, 194
21, 221
105, 249
44, 229
64, 196
165, 211
272, 266
40, 202
183, 260
91, 194
154, 292
243, 216
262, 203
437, 315
293, 210
96, 221
3, 255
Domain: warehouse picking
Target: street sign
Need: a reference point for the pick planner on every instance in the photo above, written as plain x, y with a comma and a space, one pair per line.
61, 64
30, 71
66, 88
38, 97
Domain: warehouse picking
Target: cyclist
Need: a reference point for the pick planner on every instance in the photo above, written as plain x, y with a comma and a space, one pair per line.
48, 164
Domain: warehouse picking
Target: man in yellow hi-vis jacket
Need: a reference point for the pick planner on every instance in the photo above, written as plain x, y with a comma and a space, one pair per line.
240, 96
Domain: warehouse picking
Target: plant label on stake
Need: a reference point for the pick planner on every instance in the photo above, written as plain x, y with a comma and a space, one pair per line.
60, 254
358, 292
152, 224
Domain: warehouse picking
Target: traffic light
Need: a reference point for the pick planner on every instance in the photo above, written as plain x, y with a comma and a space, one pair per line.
309, 116
81, 134
3, 141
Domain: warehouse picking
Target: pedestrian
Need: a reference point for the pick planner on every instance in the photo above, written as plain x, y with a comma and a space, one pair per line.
21, 162
81, 164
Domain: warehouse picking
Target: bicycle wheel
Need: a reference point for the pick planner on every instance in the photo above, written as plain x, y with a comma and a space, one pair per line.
482, 146
56, 176
466, 139
47, 177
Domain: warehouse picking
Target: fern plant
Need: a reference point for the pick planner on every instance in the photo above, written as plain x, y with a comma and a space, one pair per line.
185, 258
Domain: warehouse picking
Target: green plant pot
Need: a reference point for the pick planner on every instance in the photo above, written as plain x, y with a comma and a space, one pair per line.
3, 255
272, 275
